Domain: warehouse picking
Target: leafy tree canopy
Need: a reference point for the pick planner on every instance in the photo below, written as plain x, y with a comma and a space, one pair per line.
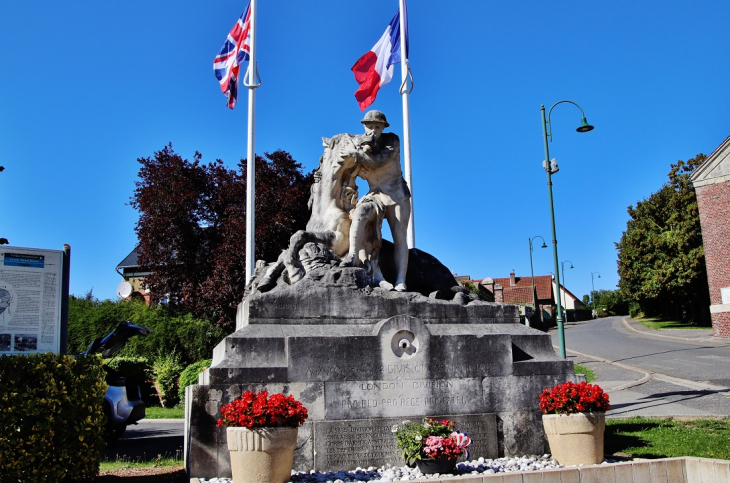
661, 261
192, 225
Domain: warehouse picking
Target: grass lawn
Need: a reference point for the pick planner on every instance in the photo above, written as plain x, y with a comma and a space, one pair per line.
580, 369
668, 438
657, 323
164, 413
160, 462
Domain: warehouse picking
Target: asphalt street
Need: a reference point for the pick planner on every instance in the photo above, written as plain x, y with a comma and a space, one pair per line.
661, 373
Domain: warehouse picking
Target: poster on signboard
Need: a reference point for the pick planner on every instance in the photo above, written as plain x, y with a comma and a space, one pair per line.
30, 300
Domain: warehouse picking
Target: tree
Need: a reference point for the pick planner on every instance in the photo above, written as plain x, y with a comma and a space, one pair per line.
612, 301
192, 226
661, 261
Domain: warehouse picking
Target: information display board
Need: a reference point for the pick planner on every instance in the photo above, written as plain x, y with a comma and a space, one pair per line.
30, 300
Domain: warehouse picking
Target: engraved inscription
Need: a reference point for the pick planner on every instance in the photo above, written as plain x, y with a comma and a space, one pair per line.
344, 400
352, 443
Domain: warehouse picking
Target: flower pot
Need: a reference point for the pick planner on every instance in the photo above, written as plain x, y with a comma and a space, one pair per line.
263, 455
575, 439
437, 465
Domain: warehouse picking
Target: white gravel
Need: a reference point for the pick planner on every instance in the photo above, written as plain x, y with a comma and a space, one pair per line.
404, 473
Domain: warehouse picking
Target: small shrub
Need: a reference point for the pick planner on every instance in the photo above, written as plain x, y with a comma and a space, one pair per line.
51, 418
190, 375
167, 370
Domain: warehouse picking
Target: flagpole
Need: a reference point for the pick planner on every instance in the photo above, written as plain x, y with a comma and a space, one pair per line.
250, 81
405, 91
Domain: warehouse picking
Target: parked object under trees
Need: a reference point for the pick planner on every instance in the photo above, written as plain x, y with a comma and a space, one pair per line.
192, 226
661, 261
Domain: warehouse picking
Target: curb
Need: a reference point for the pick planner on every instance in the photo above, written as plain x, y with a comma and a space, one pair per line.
625, 321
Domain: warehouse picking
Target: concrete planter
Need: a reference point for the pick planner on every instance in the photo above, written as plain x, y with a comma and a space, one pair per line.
263, 455
575, 439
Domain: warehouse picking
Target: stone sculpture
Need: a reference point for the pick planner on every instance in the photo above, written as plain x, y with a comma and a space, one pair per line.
343, 225
363, 357
388, 197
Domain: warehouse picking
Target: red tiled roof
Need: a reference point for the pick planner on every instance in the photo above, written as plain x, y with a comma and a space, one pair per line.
543, 286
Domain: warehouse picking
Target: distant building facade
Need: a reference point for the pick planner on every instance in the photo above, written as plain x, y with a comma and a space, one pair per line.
131, 272
712, 186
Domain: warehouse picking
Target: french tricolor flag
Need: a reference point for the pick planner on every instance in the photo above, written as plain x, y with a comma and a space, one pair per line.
375, 69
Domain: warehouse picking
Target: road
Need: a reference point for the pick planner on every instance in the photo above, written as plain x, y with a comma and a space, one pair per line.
653, 373
148, 440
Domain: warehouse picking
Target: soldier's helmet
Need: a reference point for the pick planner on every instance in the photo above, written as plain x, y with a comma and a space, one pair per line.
375, 116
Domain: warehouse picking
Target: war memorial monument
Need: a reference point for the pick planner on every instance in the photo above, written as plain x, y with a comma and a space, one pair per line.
367, 333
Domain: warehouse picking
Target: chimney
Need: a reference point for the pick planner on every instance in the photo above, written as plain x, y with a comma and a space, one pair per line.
512, 281
498, 293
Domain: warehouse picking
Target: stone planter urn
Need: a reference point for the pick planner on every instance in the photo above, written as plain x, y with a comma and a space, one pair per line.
575, 439
263, 455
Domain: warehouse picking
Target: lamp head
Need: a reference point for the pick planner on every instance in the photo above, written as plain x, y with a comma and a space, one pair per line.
571, 265
543, 245
584, 126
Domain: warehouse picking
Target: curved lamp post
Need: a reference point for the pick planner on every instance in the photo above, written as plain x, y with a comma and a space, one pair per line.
593, 293
562, 277
551, 168
532, 276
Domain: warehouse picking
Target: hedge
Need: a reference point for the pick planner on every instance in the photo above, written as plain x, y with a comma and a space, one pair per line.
190, 376
51, 418
174, 333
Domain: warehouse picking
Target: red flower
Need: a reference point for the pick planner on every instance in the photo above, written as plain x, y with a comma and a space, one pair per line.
571, 398
257, 410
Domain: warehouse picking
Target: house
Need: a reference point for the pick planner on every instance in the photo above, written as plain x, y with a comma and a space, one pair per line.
712, 186
518, 290
133, 285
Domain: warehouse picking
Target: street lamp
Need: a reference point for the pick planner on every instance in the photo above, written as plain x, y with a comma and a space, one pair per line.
532, 276
551, 168
593, 293
562, 276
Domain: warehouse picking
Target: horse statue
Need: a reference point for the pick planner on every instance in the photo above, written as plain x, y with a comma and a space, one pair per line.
332, 199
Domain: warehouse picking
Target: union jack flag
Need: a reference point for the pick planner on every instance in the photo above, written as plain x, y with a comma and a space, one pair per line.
235, 50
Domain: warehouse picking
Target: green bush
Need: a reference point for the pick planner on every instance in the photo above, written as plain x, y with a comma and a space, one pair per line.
191, 338
190, 376
51, 418
167, 371
634, 310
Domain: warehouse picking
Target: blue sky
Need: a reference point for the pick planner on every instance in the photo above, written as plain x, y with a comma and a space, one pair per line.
87, 87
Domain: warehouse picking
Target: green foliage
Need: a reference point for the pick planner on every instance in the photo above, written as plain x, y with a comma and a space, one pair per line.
410, 438
581, 369
190, 375
611, 302
661, 260
191, 338
51, 418
668, 438
167, 370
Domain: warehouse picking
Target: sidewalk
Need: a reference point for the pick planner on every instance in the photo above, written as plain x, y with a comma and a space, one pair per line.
636, 392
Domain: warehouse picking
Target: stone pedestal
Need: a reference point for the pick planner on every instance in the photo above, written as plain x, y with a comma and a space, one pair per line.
362, 360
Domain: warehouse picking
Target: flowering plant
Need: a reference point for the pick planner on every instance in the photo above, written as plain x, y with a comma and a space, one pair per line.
569, 398
430, 439
257, 410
